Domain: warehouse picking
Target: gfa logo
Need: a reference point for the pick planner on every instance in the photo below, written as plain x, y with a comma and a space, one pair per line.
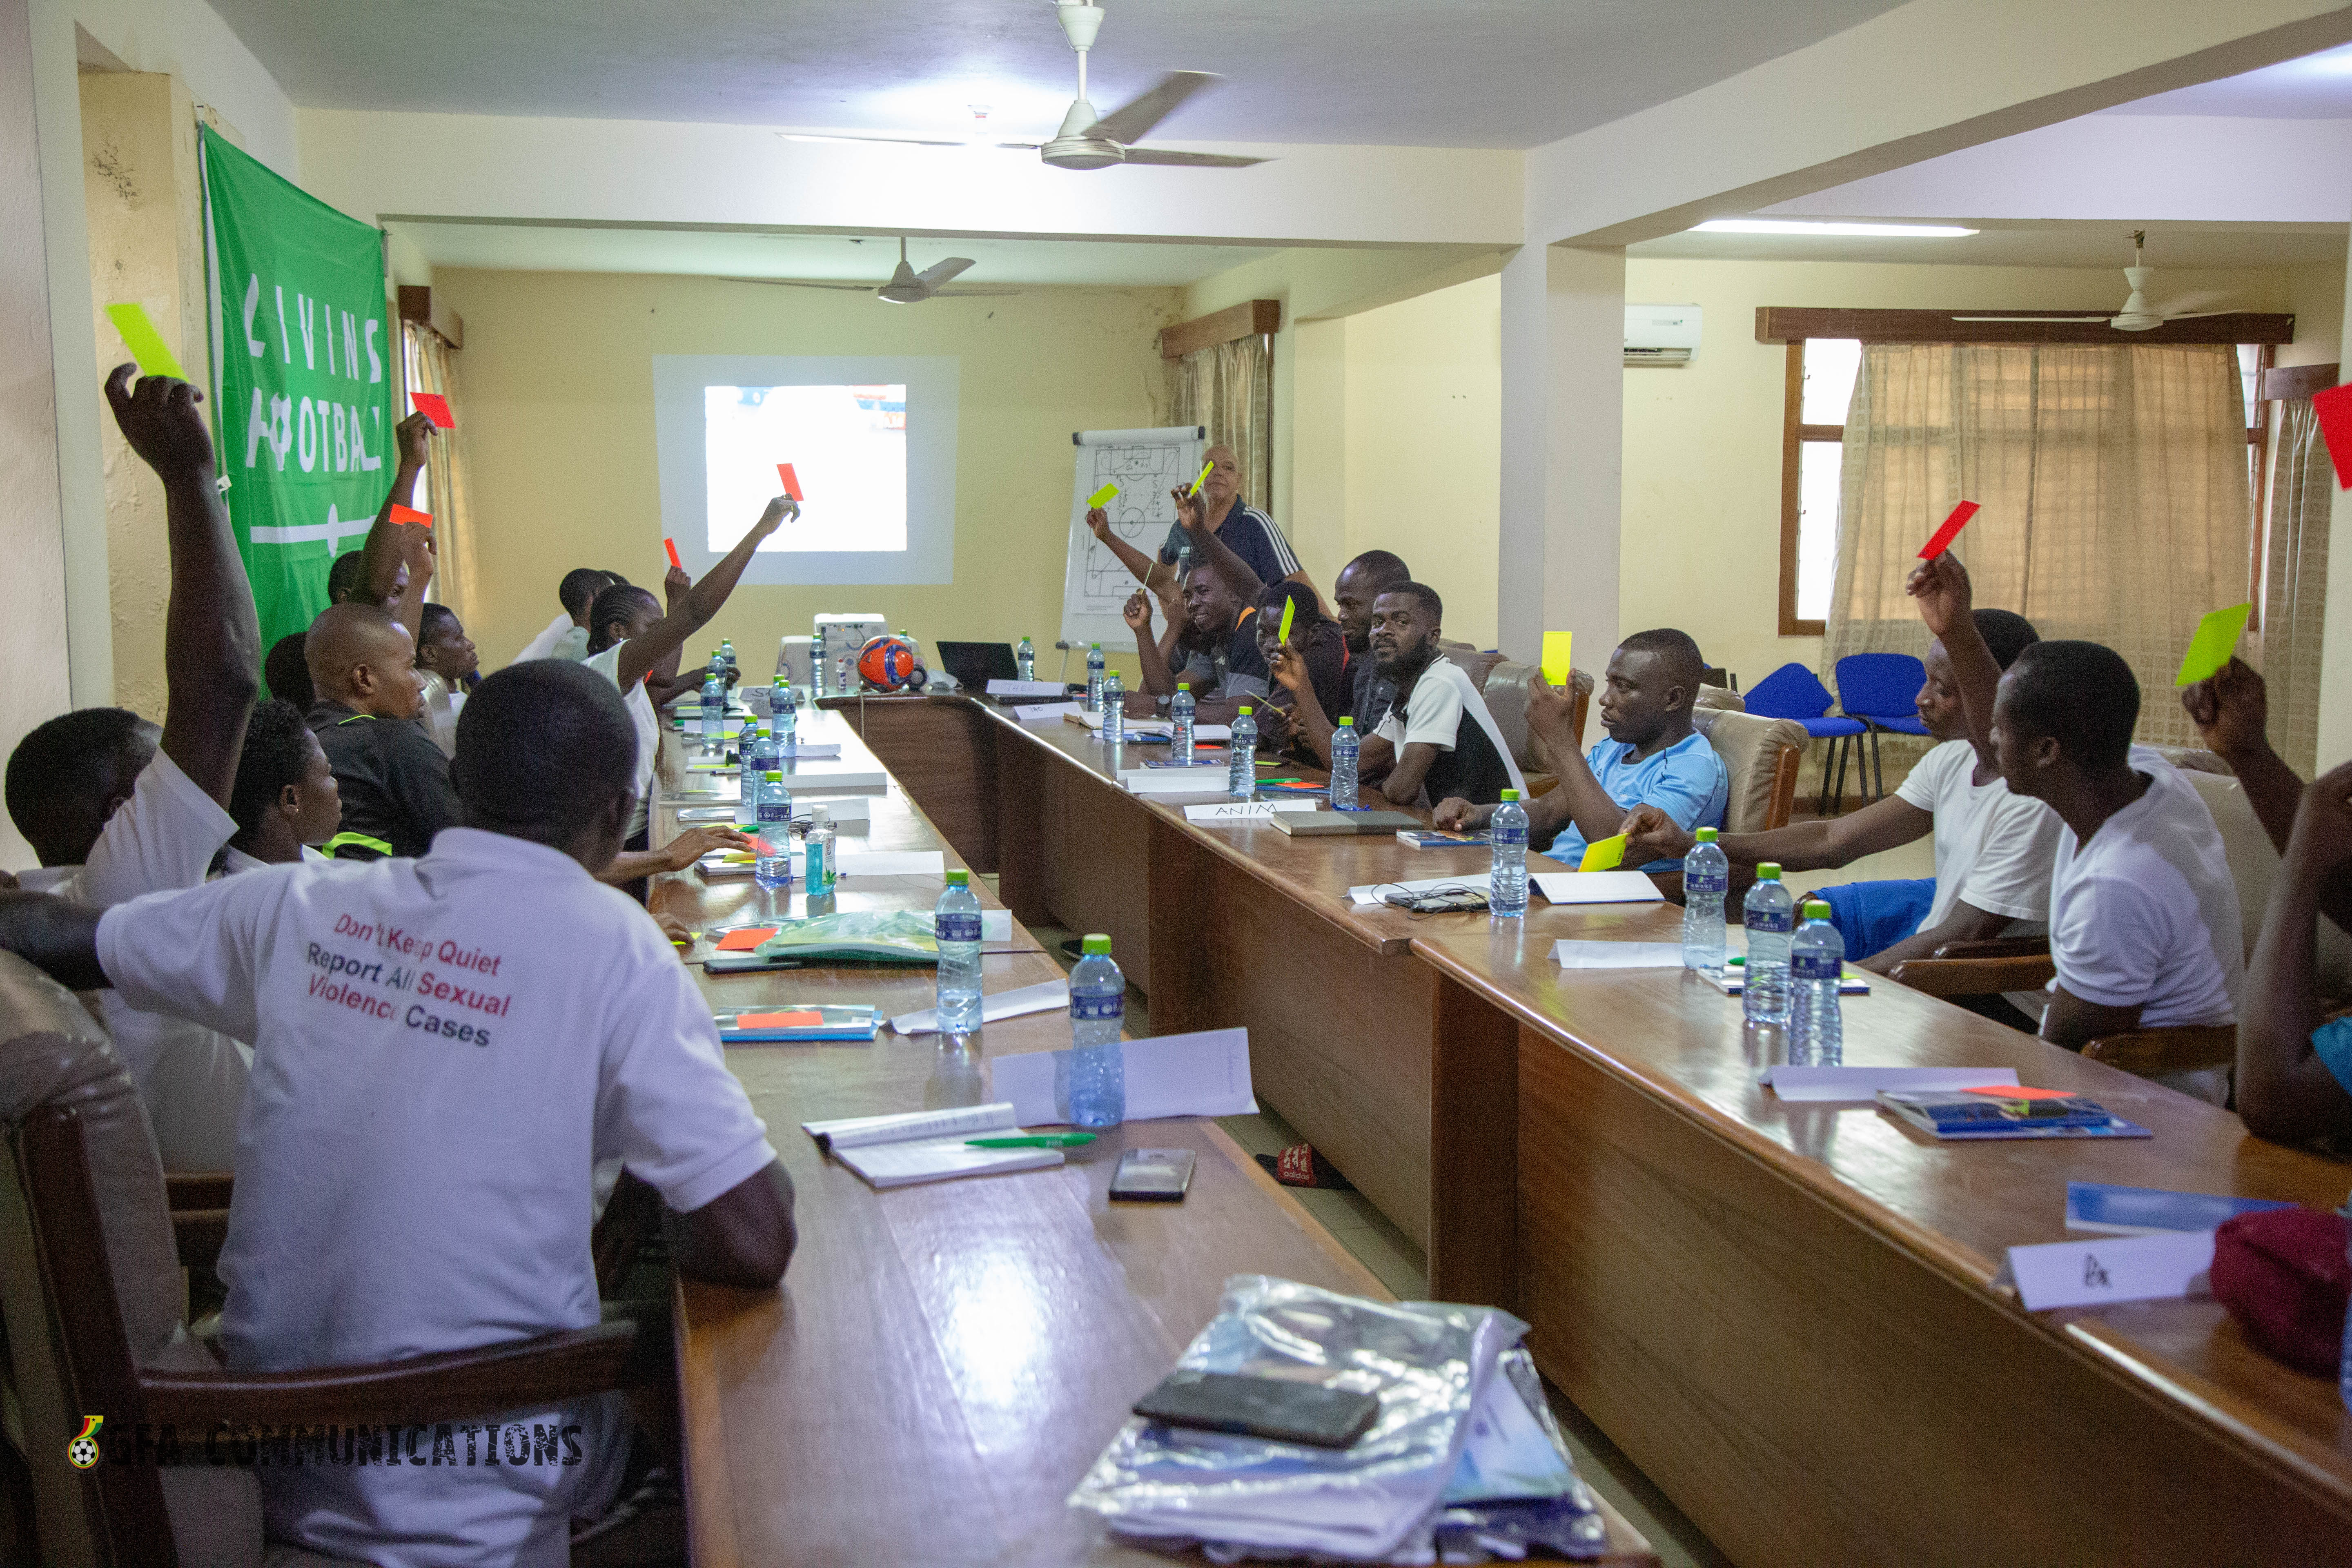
82, 1452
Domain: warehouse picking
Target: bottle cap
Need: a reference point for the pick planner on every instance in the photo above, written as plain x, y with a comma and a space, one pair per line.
1705, 835
1247, 708
1183, 686
959, 879
1094, 644
819, 814
1816, 910
775, 776
1770, 871
1096, 943
1348, 723
1510, 795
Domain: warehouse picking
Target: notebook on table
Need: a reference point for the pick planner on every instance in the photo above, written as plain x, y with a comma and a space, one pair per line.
1342, 823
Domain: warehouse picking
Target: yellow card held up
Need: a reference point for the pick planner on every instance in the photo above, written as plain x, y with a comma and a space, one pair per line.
1605, 856
1104, 495
1200, 479
145, 343
1282, 632
1555, 657
2216, 639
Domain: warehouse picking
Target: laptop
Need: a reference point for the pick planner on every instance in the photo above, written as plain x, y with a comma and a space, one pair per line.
975, 664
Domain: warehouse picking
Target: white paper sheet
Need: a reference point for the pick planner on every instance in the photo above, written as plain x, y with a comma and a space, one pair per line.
1039, 712
891, 863
1206, 1074
1861, 1084
1370, 892
1040, 998
1205, 773
1040, 689
1617, 955
2164, 1267
902, 1126
833, 779
1596, 887
1245, 810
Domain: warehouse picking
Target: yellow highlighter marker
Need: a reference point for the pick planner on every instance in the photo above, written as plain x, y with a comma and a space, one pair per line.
1605, 856
1555, 657
1200, 479
1104, 495
145, 343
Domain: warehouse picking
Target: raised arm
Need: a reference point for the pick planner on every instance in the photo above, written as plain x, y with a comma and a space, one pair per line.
692, 610
1150, 653
743, 1237
2285, 1092
1941, 587
2231, 711
381, 551
1134, 560
1801, 846
212, 641
417, 553
1193, 516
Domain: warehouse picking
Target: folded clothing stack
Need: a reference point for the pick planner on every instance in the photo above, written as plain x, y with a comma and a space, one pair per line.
1459, 1458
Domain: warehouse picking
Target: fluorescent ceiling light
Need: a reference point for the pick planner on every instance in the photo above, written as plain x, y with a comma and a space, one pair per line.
1792, 226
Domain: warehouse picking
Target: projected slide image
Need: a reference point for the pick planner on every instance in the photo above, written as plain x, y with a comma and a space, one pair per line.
847, 445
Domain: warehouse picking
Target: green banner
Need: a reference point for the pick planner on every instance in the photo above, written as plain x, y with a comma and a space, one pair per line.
304, 365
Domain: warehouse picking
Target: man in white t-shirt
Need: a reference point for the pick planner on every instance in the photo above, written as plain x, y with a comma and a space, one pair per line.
114, 808
2143, 920
566, 635
443, 1049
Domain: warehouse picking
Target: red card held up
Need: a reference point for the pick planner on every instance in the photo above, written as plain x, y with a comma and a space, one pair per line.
792, 480
2334, 408
2018, 1092
410, 515
671, 545
433, 407
794, 1020
1950, 531
745, 940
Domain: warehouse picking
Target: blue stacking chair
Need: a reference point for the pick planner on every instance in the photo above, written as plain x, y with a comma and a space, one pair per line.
1792, 691
1881, 689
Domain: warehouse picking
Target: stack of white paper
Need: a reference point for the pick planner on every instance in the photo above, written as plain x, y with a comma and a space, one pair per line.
926, 1145
1206, 1074
1617, 955
1595, 887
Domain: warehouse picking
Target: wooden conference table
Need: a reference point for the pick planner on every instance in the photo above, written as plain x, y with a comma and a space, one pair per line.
943, 1362
1785, 1314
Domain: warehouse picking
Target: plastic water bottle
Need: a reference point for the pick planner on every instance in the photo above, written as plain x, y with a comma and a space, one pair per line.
1241, 757
1344, 745
957, 921
726, 657
1816, 960
714, 705
817, 876
1770, 915
1114, 709
1025, 658
772, 827
1097, 1013
783, 712
816, 657
1507, 887
1179, 723
1094, 677
1707, 879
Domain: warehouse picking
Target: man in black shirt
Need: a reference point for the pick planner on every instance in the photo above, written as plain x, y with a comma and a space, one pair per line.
395, 781
1214, 648
1360, 581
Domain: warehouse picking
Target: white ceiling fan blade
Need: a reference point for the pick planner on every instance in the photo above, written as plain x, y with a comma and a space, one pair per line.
969, 293
2045, 319
1132, 121
2207, 303
888, 141
2194, 315
938, 272
801, 283
1189, 160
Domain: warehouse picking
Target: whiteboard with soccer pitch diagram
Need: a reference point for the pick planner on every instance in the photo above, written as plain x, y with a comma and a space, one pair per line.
1144, 465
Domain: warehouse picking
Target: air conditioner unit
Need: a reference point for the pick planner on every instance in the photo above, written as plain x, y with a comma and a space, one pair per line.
1661, 334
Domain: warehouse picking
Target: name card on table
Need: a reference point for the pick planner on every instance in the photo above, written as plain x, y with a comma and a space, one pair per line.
1861, 1084
2165, 1266
1244, 810
1595, 887
1032, 712
1205, 1074
1027, 689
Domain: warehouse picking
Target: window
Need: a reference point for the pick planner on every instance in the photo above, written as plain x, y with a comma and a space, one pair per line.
1821, 378
1821, 373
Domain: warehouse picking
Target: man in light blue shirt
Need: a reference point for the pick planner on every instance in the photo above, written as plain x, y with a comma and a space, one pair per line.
1651, 757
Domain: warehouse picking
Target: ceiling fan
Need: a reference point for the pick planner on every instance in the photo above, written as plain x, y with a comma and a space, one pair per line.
907, 286
2138, 315
1089, 139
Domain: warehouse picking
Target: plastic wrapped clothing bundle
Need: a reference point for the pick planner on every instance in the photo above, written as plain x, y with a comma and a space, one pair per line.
1427, 1364
901, 935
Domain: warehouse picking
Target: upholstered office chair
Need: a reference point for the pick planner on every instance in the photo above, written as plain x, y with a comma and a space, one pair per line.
1505, 687
90, 1289
1983, 968
1794, 692
1761, 755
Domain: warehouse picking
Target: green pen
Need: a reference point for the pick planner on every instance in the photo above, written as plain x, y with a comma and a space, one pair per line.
1033, 1140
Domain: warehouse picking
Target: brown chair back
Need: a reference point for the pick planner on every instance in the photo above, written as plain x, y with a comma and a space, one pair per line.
2254, 867
1761, 756
1505, 688
89, 1283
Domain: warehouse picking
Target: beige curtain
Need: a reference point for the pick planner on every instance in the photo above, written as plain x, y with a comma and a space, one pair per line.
430, 367
2114, 486
1230, 389
2295, 586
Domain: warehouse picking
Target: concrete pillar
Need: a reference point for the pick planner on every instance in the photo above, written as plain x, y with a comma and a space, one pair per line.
1563, 449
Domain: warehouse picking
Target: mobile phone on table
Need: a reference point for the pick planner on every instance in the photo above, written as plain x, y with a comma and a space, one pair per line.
1152, 1176
1271, 1408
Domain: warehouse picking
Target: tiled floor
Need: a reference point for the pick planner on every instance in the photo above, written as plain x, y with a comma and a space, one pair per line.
1390, 1255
